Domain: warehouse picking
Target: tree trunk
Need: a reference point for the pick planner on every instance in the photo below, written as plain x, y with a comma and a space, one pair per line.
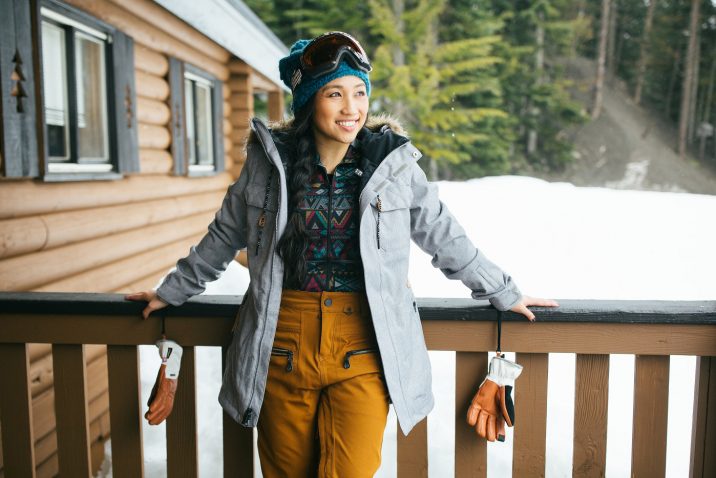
706, 116
691, 131
710, 93
397, 53
672, 84
433, 169
644, 51
611, 41
688, 79
539, 67
599, 84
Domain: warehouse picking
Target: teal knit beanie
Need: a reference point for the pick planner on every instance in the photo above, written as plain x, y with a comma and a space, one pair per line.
306, 88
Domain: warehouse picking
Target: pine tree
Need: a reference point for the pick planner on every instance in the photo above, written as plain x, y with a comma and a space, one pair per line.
433, 85
533, 82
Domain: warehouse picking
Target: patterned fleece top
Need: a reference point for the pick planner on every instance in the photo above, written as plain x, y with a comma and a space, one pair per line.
329, 208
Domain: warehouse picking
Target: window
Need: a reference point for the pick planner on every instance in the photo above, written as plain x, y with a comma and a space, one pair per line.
74, 79
197, 110
86, 107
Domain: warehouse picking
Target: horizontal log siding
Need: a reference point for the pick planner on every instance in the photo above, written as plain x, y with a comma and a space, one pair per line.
20, 199
49, 231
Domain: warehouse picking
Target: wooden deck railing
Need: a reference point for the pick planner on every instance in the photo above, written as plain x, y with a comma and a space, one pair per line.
592, 329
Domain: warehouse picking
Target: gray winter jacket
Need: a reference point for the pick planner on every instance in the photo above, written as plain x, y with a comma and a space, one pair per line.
396, 204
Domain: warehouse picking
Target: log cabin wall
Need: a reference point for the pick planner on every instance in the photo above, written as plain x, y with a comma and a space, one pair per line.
123, 235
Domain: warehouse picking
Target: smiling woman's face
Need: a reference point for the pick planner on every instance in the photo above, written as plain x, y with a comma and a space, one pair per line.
341, 108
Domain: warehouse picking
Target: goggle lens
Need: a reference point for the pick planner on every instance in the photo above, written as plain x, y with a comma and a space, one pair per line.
324, 53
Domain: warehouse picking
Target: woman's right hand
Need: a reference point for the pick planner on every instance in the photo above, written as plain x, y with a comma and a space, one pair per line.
155, 303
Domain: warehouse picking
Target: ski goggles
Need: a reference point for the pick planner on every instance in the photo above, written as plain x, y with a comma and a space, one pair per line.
324, 54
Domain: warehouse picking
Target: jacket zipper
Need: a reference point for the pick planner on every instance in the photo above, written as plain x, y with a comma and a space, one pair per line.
284, 353
329, 274
249, 412
350, 353
379, 205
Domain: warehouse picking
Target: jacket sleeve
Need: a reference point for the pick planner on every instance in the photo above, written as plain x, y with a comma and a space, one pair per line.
436, 231
214, 252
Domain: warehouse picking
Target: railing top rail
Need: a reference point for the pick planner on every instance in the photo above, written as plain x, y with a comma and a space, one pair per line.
462, 309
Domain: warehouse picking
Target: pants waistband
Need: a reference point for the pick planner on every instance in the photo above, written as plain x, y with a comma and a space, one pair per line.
305, 300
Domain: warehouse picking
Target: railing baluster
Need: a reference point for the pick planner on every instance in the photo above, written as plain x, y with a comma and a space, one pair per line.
591, 397
413, 451
18, 445
125, 412
470, 448
530, 416
703, 464
71, 410
651, 405
238, 442
182, 451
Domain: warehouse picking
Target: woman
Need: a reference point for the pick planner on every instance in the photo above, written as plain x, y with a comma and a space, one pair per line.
329, 333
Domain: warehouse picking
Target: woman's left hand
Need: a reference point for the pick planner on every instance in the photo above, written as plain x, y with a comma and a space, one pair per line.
521, 307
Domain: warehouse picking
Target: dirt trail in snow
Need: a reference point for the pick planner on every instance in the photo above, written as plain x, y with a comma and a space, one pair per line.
629, 147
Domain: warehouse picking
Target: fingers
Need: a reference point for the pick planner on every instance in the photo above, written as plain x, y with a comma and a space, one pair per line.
147, 310
482, 424
472, 415
500, 429
153, 302
491, 428
136, 296
528, 301
486, 426
521, 308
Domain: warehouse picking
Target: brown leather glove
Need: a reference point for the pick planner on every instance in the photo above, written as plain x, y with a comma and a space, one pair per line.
492, 406
161, 400
485, 411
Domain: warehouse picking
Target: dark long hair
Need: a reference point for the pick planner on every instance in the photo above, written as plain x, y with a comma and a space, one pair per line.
293, 244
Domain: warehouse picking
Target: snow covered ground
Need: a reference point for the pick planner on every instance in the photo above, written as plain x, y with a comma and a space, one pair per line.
557, 241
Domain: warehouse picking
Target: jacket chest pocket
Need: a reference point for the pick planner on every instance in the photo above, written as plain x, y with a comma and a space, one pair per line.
260, 215
391, 211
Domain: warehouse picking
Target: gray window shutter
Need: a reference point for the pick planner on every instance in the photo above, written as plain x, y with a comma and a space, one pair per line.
178, 123
18, 105
125, 103
218, 110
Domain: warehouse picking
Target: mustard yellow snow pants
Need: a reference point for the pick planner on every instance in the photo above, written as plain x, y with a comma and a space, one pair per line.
326, 402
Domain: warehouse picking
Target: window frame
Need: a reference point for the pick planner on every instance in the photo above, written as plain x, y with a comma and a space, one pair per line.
122, 131
180, 141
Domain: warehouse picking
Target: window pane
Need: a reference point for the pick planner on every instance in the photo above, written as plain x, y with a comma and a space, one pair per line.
91, 98
189, 108
54, 81
204, 139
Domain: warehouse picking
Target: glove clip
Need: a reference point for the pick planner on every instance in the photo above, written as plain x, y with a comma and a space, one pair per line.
498, 352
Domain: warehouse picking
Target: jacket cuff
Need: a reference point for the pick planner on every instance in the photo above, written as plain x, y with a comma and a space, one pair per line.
170, 295
506, 299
